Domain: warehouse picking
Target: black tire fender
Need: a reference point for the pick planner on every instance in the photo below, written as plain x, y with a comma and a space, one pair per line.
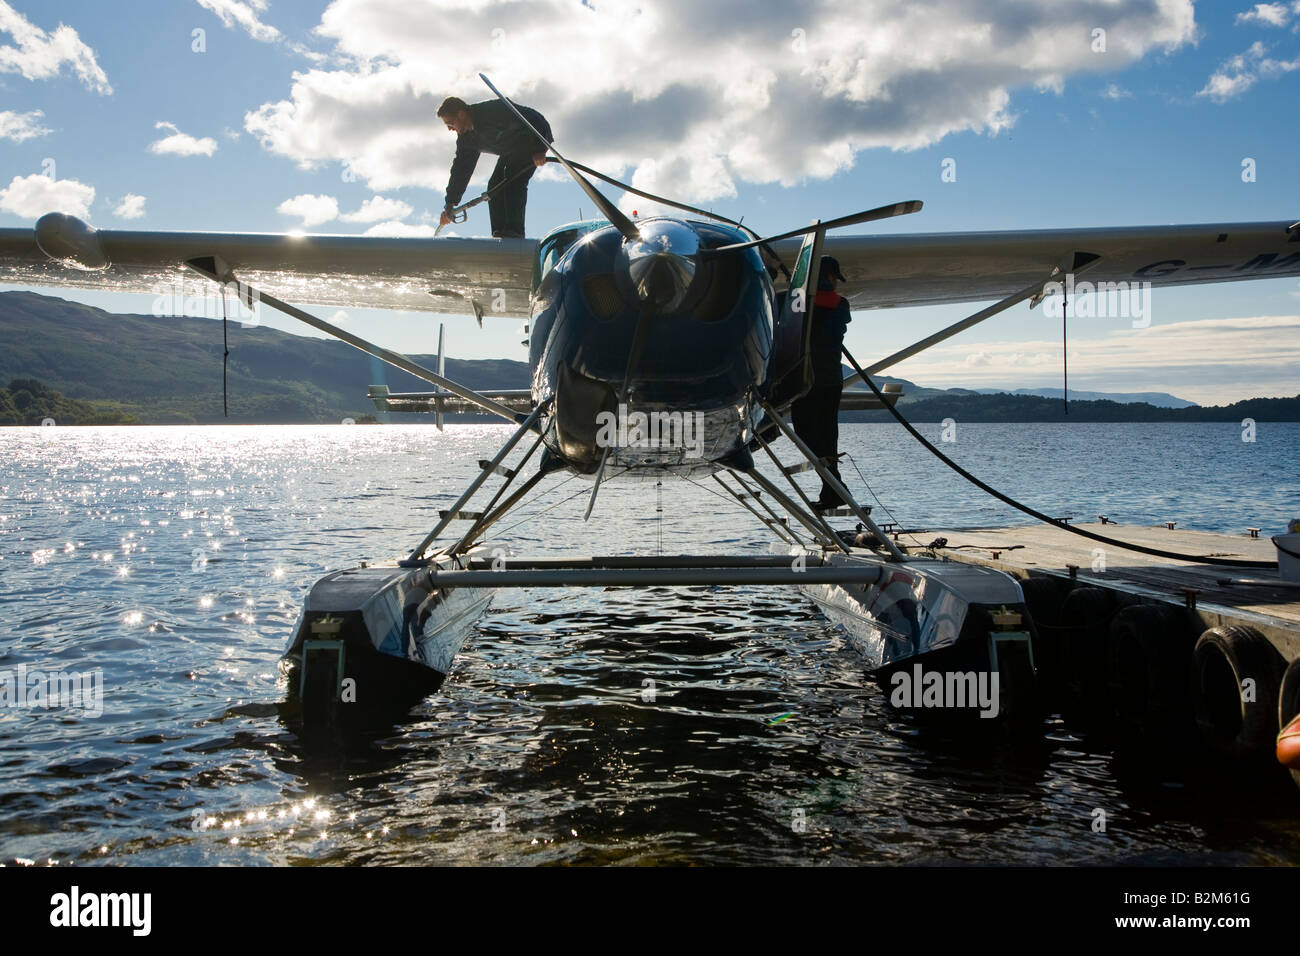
1044, 597
1148, 661
1088, 612
1223, 660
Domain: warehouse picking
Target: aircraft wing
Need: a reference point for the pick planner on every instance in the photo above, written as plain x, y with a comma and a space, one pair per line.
456, 276
931, 269
859, 399
517, 399
494, 276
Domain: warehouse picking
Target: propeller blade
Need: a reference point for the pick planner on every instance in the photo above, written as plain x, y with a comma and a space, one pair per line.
871, 215
651, 196
607, 208
595, 489
675, 204
639, 338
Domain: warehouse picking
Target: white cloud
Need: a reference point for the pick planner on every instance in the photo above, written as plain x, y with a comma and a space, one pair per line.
39, 55
1224, 86
243, 14
1269, 14
307, 52
378, 207
131, 207
312, 210
181, 144
1239, 73
704, 181
662, 99
401, 229
1206, 360
21, 126
33, 196
1116, 92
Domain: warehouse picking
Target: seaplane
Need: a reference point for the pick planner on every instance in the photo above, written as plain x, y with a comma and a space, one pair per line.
664, 345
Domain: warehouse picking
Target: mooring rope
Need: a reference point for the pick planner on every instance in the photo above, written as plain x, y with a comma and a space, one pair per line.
225, 356
1056, 523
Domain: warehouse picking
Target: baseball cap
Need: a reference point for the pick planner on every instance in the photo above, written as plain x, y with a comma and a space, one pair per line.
830, 266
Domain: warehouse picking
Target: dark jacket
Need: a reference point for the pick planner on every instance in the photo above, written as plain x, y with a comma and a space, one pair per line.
496, 130
830, 320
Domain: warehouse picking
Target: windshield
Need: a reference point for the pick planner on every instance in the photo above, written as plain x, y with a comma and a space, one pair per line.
552, 249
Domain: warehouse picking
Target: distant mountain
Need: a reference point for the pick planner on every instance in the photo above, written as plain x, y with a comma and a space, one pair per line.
1158, 399
125, 368
1028, 405
1003, 407
168, 370
916, 392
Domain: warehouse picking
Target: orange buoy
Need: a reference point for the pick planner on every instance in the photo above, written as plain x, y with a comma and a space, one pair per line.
1288, 745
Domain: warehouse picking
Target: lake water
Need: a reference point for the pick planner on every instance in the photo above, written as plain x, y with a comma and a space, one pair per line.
174, 561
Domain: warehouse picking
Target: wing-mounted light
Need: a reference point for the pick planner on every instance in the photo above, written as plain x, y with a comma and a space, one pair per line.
70, 241
662, 263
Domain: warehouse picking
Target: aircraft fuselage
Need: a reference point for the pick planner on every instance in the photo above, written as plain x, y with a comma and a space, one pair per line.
683, 397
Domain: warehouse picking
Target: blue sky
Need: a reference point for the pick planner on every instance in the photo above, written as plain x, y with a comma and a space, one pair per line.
756, 110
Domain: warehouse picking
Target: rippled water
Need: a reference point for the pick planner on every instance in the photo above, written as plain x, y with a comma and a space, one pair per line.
175, 560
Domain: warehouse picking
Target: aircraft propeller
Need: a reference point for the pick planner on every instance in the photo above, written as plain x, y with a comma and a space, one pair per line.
870, 215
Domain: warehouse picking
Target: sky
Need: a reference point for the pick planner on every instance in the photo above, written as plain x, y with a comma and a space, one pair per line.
259, 116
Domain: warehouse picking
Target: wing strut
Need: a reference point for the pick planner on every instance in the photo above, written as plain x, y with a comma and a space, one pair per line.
214, 268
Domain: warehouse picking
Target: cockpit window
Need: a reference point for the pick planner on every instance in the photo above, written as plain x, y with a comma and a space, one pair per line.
552, 249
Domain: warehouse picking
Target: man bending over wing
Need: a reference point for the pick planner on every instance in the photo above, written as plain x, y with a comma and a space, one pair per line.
490, 127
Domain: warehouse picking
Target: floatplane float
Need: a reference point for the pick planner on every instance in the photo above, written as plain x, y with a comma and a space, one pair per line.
662, 321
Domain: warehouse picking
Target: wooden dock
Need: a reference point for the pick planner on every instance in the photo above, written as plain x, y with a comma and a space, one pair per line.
1218, 594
